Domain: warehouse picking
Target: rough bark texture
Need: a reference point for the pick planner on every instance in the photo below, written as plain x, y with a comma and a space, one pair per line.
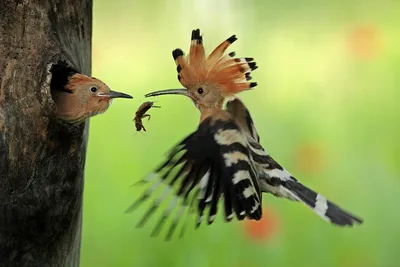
41, 160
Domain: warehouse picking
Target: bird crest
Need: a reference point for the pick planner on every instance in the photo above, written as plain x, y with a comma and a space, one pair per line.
229, 74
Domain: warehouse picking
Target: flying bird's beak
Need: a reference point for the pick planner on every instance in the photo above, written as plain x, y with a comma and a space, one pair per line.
180, 91
113, 94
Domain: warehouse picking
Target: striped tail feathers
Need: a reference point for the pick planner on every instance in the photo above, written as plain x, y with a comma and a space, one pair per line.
276, 180
279, 182
324, 208
209, 165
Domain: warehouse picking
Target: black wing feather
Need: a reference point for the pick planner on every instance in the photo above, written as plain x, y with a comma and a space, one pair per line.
197, 166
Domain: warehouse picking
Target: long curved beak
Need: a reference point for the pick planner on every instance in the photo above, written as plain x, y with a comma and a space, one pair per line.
179, 91
114, 94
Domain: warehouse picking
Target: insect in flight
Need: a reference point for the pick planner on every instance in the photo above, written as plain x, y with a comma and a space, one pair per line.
141, 114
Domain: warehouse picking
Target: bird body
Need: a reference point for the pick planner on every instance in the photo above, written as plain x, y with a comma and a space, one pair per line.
223, 159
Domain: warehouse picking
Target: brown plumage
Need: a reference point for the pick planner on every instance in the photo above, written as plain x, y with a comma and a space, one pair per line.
82, 97
141, 114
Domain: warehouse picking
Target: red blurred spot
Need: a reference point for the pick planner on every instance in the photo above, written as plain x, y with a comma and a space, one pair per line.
264, 228
365, 42
309, 158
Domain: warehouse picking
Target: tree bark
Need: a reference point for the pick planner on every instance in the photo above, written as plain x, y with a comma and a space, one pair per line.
41, 160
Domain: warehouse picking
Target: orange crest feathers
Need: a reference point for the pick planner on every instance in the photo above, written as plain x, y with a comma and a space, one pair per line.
231, 75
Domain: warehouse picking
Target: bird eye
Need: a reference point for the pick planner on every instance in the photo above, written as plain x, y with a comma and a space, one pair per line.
93, 89
200, 90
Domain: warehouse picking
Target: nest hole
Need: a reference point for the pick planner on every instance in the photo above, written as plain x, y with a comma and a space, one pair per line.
60, 74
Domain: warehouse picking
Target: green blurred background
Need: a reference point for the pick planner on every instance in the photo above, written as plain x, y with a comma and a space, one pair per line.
326, 108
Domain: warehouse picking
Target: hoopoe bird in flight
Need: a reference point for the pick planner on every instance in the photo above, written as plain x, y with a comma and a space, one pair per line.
223, 159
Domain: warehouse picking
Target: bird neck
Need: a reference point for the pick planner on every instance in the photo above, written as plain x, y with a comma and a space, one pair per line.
207, 111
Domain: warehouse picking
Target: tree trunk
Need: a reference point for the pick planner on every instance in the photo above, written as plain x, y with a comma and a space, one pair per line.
41, 160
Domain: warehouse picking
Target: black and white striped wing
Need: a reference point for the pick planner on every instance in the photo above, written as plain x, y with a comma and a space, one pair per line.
276, 180
208, 165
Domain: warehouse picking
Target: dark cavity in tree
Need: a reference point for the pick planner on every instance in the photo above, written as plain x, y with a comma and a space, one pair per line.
61, 72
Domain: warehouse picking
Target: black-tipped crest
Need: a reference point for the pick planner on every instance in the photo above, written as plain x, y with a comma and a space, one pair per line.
248, 77
253, 84
196, 36
231, 39
252, 65
177, 53
224, 72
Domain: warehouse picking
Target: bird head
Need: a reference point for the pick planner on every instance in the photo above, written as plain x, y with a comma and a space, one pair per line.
209, 80
83, 97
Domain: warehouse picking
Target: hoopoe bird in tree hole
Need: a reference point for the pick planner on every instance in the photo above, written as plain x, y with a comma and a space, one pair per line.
223, 159
78, 96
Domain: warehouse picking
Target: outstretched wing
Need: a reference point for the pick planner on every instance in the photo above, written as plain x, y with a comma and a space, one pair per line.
210, 164
276, 180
